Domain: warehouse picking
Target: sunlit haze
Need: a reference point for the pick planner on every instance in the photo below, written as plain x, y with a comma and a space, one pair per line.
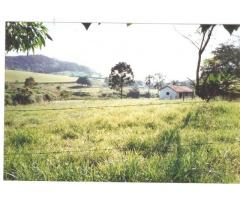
148, 48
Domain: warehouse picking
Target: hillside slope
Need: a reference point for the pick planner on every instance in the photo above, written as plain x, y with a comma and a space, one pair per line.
20, 76
44, 64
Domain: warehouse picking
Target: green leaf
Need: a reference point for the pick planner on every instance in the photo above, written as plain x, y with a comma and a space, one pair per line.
49, 37
25, 36
231, 27
205, 27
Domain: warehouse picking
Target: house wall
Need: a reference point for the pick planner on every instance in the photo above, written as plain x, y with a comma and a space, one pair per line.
172, 93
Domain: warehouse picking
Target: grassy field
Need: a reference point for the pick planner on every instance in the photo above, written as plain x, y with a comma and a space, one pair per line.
74, 90
20, 76
139, 140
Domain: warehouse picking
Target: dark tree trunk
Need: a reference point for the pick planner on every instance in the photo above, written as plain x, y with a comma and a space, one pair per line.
197, 71
121, 87
121, 90
200, 52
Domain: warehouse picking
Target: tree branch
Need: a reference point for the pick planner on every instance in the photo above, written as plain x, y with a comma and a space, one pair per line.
194, 43
203, 38
208, 38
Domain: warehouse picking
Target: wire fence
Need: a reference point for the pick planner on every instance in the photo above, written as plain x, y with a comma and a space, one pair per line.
105, 106
188, 101
82, 151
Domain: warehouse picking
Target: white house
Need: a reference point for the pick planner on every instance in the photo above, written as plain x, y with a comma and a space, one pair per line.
175, 92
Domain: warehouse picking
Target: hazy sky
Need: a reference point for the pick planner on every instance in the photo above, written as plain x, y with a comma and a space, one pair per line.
147, 48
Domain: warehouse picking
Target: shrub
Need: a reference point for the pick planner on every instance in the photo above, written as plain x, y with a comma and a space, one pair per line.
23, 96
30, 82
133, 93
58, 87
8, 99
27, 96
48, 97
84, 81
65, 94
147, 95
6, 85
39, 98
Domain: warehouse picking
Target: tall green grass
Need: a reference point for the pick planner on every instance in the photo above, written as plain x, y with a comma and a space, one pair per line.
182, 142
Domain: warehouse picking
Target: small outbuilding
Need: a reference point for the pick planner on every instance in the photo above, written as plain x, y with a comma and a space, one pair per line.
175, 92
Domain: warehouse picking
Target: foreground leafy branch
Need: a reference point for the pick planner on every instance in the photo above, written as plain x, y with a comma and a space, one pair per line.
25, 36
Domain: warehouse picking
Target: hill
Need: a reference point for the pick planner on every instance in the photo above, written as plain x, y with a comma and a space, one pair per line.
20, 76
44, 64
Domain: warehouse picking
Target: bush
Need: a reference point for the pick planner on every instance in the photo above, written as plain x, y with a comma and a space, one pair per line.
65, 94
6, 85
133, 93
84, 81
23, 96
58, 87
147, 95
8, 99
27, 96
48, 97
30, 82
39, 98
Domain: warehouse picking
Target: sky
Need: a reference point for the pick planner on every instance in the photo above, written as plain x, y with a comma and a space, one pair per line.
147, 48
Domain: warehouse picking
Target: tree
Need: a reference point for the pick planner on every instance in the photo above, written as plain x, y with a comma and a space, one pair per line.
133, 93
206, 31
175, 82
30, 82
149, 82
84, 80
25, 36
159, 81
121, 75
220, 75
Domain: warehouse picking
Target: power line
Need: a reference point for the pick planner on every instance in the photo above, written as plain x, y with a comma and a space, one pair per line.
123, 22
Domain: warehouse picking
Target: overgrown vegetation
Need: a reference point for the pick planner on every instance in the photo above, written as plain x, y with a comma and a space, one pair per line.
28, 93
221, 74
173, 142
71, 91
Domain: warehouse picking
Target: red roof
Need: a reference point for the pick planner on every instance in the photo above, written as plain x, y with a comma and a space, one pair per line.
179, 89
